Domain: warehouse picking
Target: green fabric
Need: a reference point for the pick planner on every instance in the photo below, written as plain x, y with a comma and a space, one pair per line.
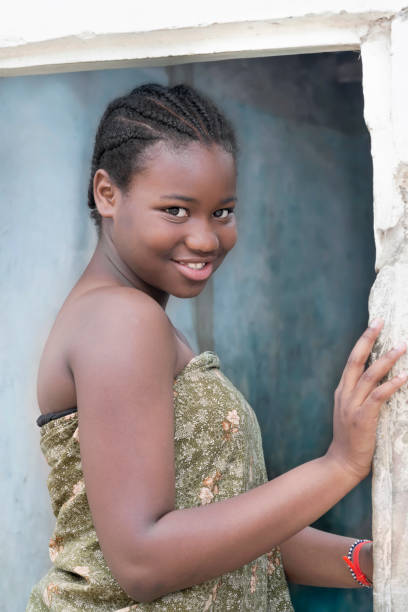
218, 454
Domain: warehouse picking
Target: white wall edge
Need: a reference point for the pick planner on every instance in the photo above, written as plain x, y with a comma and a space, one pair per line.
91, 50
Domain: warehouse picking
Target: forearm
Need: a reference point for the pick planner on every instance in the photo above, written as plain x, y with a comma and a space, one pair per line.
187, 547
313, 557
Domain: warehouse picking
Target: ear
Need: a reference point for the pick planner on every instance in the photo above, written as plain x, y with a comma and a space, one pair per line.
105, 193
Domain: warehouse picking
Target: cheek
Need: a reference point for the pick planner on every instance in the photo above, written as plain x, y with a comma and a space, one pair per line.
230, 238
161, 238
143, 232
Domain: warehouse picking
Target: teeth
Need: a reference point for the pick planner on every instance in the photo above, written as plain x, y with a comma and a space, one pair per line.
194, 266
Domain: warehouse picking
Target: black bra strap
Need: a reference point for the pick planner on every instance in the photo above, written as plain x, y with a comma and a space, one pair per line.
46, 418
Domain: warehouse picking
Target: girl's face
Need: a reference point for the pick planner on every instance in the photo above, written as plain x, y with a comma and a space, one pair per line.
176, 222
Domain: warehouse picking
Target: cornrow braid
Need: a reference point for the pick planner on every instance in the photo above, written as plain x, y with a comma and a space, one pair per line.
210, 122
179, 117
114, 141
172, 98
150, 113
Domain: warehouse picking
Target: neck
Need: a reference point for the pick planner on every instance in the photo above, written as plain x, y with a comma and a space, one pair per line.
106, 264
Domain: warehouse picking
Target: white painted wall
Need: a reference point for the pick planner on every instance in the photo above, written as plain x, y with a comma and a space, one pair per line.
46, 19
46, 36
384, 55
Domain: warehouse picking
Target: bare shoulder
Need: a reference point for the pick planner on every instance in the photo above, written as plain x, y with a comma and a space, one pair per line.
124, 321
111, 303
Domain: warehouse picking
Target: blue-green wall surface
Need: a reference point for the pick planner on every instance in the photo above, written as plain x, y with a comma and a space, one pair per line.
292, 299
282, 312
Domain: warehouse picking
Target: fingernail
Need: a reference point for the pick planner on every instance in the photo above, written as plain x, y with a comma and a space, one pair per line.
376, 323
400, 346
402, 375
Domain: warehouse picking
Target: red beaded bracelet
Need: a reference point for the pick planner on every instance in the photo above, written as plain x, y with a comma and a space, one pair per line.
352, 561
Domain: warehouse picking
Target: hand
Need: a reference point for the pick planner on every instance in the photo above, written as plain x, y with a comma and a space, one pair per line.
358, 400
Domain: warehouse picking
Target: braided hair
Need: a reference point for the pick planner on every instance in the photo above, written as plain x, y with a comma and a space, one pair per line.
150, 113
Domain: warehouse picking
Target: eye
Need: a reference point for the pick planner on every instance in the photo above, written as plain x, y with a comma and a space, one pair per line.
174, 210
228, 212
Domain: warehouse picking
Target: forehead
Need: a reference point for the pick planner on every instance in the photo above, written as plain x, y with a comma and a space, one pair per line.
192, 167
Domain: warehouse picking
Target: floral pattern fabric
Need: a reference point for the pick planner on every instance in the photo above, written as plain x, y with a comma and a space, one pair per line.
218, 454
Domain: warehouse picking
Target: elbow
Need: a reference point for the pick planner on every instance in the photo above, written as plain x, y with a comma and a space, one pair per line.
142, 586
142, 572
144, 592
140, 594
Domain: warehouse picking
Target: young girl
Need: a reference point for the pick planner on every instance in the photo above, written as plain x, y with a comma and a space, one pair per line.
157, 476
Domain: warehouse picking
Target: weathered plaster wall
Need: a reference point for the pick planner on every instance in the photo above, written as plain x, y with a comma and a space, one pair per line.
20, 23
84, 36
384, 55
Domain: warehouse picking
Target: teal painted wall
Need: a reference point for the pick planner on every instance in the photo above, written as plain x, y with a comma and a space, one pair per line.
292, 299
282, 312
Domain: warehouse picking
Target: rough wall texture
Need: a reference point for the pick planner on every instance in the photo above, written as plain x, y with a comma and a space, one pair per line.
386, 94
79, 36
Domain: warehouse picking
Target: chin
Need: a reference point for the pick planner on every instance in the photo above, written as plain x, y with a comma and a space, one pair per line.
188, 293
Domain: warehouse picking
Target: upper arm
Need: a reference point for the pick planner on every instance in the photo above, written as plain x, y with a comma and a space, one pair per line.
123, 357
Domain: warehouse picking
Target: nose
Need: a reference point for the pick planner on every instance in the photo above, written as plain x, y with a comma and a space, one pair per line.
202, 238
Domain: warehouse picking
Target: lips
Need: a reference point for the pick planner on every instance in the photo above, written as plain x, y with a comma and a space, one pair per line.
188, 260
194, 274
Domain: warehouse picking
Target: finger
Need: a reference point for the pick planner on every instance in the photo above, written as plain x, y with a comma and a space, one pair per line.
372, 376
359, 355
382, 394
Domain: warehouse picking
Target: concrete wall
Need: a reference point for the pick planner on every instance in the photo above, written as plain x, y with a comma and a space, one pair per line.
84, 36
300, 273
384, 55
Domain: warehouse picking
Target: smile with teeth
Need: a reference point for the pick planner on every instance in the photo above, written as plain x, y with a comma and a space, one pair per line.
194, 266
195, 270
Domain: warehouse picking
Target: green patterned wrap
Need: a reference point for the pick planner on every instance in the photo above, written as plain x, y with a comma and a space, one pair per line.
218, 454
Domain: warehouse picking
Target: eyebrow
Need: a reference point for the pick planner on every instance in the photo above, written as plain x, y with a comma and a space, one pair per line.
175, 196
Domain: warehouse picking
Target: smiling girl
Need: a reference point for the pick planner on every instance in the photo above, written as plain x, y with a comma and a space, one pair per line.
157, 476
